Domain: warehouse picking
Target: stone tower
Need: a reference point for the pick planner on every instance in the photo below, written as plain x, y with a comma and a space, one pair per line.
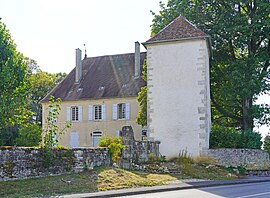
178, 88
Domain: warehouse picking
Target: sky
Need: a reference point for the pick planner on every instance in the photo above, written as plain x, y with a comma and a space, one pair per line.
49, 31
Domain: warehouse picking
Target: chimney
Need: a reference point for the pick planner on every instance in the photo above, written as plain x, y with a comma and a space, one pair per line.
137, 59
78, 74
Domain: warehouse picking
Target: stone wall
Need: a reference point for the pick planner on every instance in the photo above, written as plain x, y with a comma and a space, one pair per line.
32, 162
136, 152
251, 159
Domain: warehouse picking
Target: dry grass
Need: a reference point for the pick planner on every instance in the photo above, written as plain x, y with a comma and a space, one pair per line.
118, 178
104, 178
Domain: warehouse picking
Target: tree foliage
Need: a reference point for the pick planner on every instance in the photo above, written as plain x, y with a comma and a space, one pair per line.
241, 49
141, 118
14, 87
13, 84
228, 137
41, 84
29, 135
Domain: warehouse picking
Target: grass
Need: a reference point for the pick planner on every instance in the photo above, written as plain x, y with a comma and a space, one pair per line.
104, 178
107, 178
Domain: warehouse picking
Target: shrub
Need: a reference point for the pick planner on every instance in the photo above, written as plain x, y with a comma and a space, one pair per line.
266, 143
114, 144
227, 137
29, 135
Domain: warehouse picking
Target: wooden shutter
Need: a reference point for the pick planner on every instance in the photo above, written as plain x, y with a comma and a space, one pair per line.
80, 113
90, 113
114, 112
127, 111
103, 112
68, 114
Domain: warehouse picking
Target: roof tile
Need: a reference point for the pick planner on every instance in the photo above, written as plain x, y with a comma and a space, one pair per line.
180, 28
103, 77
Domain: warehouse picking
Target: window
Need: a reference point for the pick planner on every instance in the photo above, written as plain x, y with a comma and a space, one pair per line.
121, 111
52, 118
74, 139
96, 135
74, 113
97, 112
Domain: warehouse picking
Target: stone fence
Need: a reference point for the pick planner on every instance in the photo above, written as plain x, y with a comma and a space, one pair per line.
251, 159
136, 152
33, 162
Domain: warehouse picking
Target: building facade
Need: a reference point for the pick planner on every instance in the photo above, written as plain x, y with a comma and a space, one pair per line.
179, 89
99, 98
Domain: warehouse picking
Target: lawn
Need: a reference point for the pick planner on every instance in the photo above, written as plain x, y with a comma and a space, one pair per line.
108, 178
104, 178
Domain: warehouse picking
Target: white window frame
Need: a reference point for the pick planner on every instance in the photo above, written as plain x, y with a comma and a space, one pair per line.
74, 113
93, 112
97, 112
121, 111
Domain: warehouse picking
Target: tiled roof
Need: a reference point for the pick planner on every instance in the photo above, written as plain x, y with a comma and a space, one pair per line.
178, 29
103, 77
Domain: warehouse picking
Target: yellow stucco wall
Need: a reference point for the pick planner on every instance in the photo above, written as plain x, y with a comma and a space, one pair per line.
85, 127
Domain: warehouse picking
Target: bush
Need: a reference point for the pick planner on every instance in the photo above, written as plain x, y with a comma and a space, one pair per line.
226, 137
114, 144
266, 143
29, 135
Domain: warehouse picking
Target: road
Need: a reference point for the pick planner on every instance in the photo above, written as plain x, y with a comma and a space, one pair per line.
254, 190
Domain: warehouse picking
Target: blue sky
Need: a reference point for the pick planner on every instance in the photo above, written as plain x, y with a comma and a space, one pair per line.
49, 31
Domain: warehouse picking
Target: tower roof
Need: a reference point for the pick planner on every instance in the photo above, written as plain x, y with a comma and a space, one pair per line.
178, 29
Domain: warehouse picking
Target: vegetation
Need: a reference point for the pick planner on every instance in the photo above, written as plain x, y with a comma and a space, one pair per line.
22, 87
240, 67
266, 143
141, 118
114, 144
13, 87
29, 135
88, 181
41, 84
228, 137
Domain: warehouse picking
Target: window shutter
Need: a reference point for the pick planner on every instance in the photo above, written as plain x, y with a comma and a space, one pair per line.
103, 114
90, 113
127, 111
80, 113
68, 114
114, 112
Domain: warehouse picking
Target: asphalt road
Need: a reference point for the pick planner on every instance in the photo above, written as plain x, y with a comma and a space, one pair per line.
253, 190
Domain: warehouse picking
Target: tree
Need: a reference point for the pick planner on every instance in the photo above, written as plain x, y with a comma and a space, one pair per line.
241, 49
41, 83
141, 118
13, 87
